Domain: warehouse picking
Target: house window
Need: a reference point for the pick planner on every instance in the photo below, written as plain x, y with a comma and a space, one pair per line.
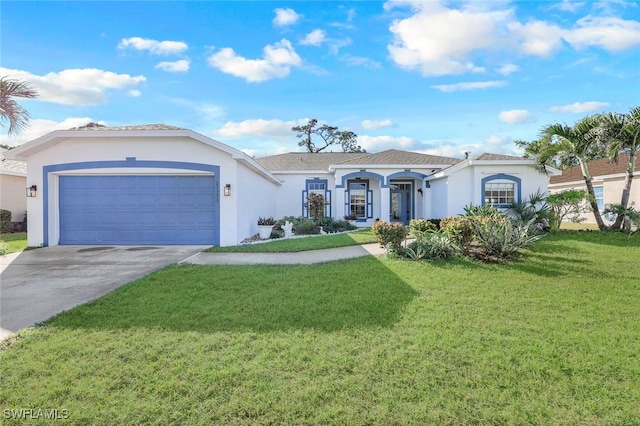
501, 190
357, 199
598, 191
316, 186
499, 193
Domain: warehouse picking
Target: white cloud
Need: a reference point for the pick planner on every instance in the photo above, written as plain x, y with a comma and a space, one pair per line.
177, 66
40, 127
381, 143
609, 33
379, 124
514, 116
276, 63
88, 86
154, 47
285, 17
259, 127
475, 85
579, 107
359, 61
569, 5
439, 41
508, 69
537, 38
134, 93
314, 38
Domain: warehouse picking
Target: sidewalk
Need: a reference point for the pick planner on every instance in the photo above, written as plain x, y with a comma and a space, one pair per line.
298, 258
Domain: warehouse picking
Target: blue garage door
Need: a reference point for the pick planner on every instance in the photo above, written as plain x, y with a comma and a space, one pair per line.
137, 210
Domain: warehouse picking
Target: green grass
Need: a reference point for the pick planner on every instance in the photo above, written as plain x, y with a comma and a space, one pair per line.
313, 242
550, 339
579, 226
14, 242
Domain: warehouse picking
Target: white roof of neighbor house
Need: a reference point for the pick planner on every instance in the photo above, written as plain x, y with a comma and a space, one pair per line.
11, 167
158, 130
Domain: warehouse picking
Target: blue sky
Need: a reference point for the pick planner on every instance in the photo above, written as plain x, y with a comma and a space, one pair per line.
429, 76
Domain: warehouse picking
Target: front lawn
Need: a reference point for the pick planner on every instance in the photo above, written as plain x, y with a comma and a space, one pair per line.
311, 242
13, 242
550, 339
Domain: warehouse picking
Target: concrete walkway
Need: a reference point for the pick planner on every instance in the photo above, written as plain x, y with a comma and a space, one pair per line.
298, 258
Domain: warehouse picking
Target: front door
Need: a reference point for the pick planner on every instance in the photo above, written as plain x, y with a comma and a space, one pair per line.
401, 203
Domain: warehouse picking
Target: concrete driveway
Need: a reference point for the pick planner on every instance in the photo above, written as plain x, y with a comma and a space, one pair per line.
37, 284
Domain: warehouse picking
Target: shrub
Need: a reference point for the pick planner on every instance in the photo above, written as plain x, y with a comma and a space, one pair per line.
568, 202
339, 226
266, 221
533, 210
482, 211
316, 206
390, 235
459, 229
499, 239
433, 245
304, 226
5, 221
421, 226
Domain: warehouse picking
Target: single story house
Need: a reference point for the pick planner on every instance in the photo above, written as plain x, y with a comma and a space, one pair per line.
608, 182
159, 184
13, 181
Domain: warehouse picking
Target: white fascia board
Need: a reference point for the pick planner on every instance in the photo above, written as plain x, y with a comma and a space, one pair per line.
11, 173
301, 172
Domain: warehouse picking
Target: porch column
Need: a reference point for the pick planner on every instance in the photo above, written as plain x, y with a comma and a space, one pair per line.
385, 204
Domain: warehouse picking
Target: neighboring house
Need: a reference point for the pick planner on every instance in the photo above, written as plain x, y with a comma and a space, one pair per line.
13, 183
158, 184
608, 182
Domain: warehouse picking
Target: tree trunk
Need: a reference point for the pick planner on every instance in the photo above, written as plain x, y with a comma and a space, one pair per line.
594, 204
626, 192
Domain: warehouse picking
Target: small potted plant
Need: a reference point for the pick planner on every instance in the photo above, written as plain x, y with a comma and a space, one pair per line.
351, 218
265, 227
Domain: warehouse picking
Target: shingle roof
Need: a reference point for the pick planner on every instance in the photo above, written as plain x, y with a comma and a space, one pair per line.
496, 157
396, 156
306, 160
12, 166
322, 160
601, 167
156, 126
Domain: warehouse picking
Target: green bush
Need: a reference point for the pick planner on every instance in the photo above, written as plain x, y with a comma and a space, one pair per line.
421, 226
304, 226
432, 246
460, 229
5, 221
500, 240
389, 235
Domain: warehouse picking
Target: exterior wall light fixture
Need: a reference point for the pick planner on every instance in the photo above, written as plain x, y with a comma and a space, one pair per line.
32, 191
227, 190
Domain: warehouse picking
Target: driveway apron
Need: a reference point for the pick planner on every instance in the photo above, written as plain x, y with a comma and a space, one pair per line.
37, 284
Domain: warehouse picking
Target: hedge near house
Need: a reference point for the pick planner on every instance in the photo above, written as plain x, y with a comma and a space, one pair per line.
5, 221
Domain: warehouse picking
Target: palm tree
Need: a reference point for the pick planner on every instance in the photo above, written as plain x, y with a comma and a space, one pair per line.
621, 132
10, 110
566, 146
